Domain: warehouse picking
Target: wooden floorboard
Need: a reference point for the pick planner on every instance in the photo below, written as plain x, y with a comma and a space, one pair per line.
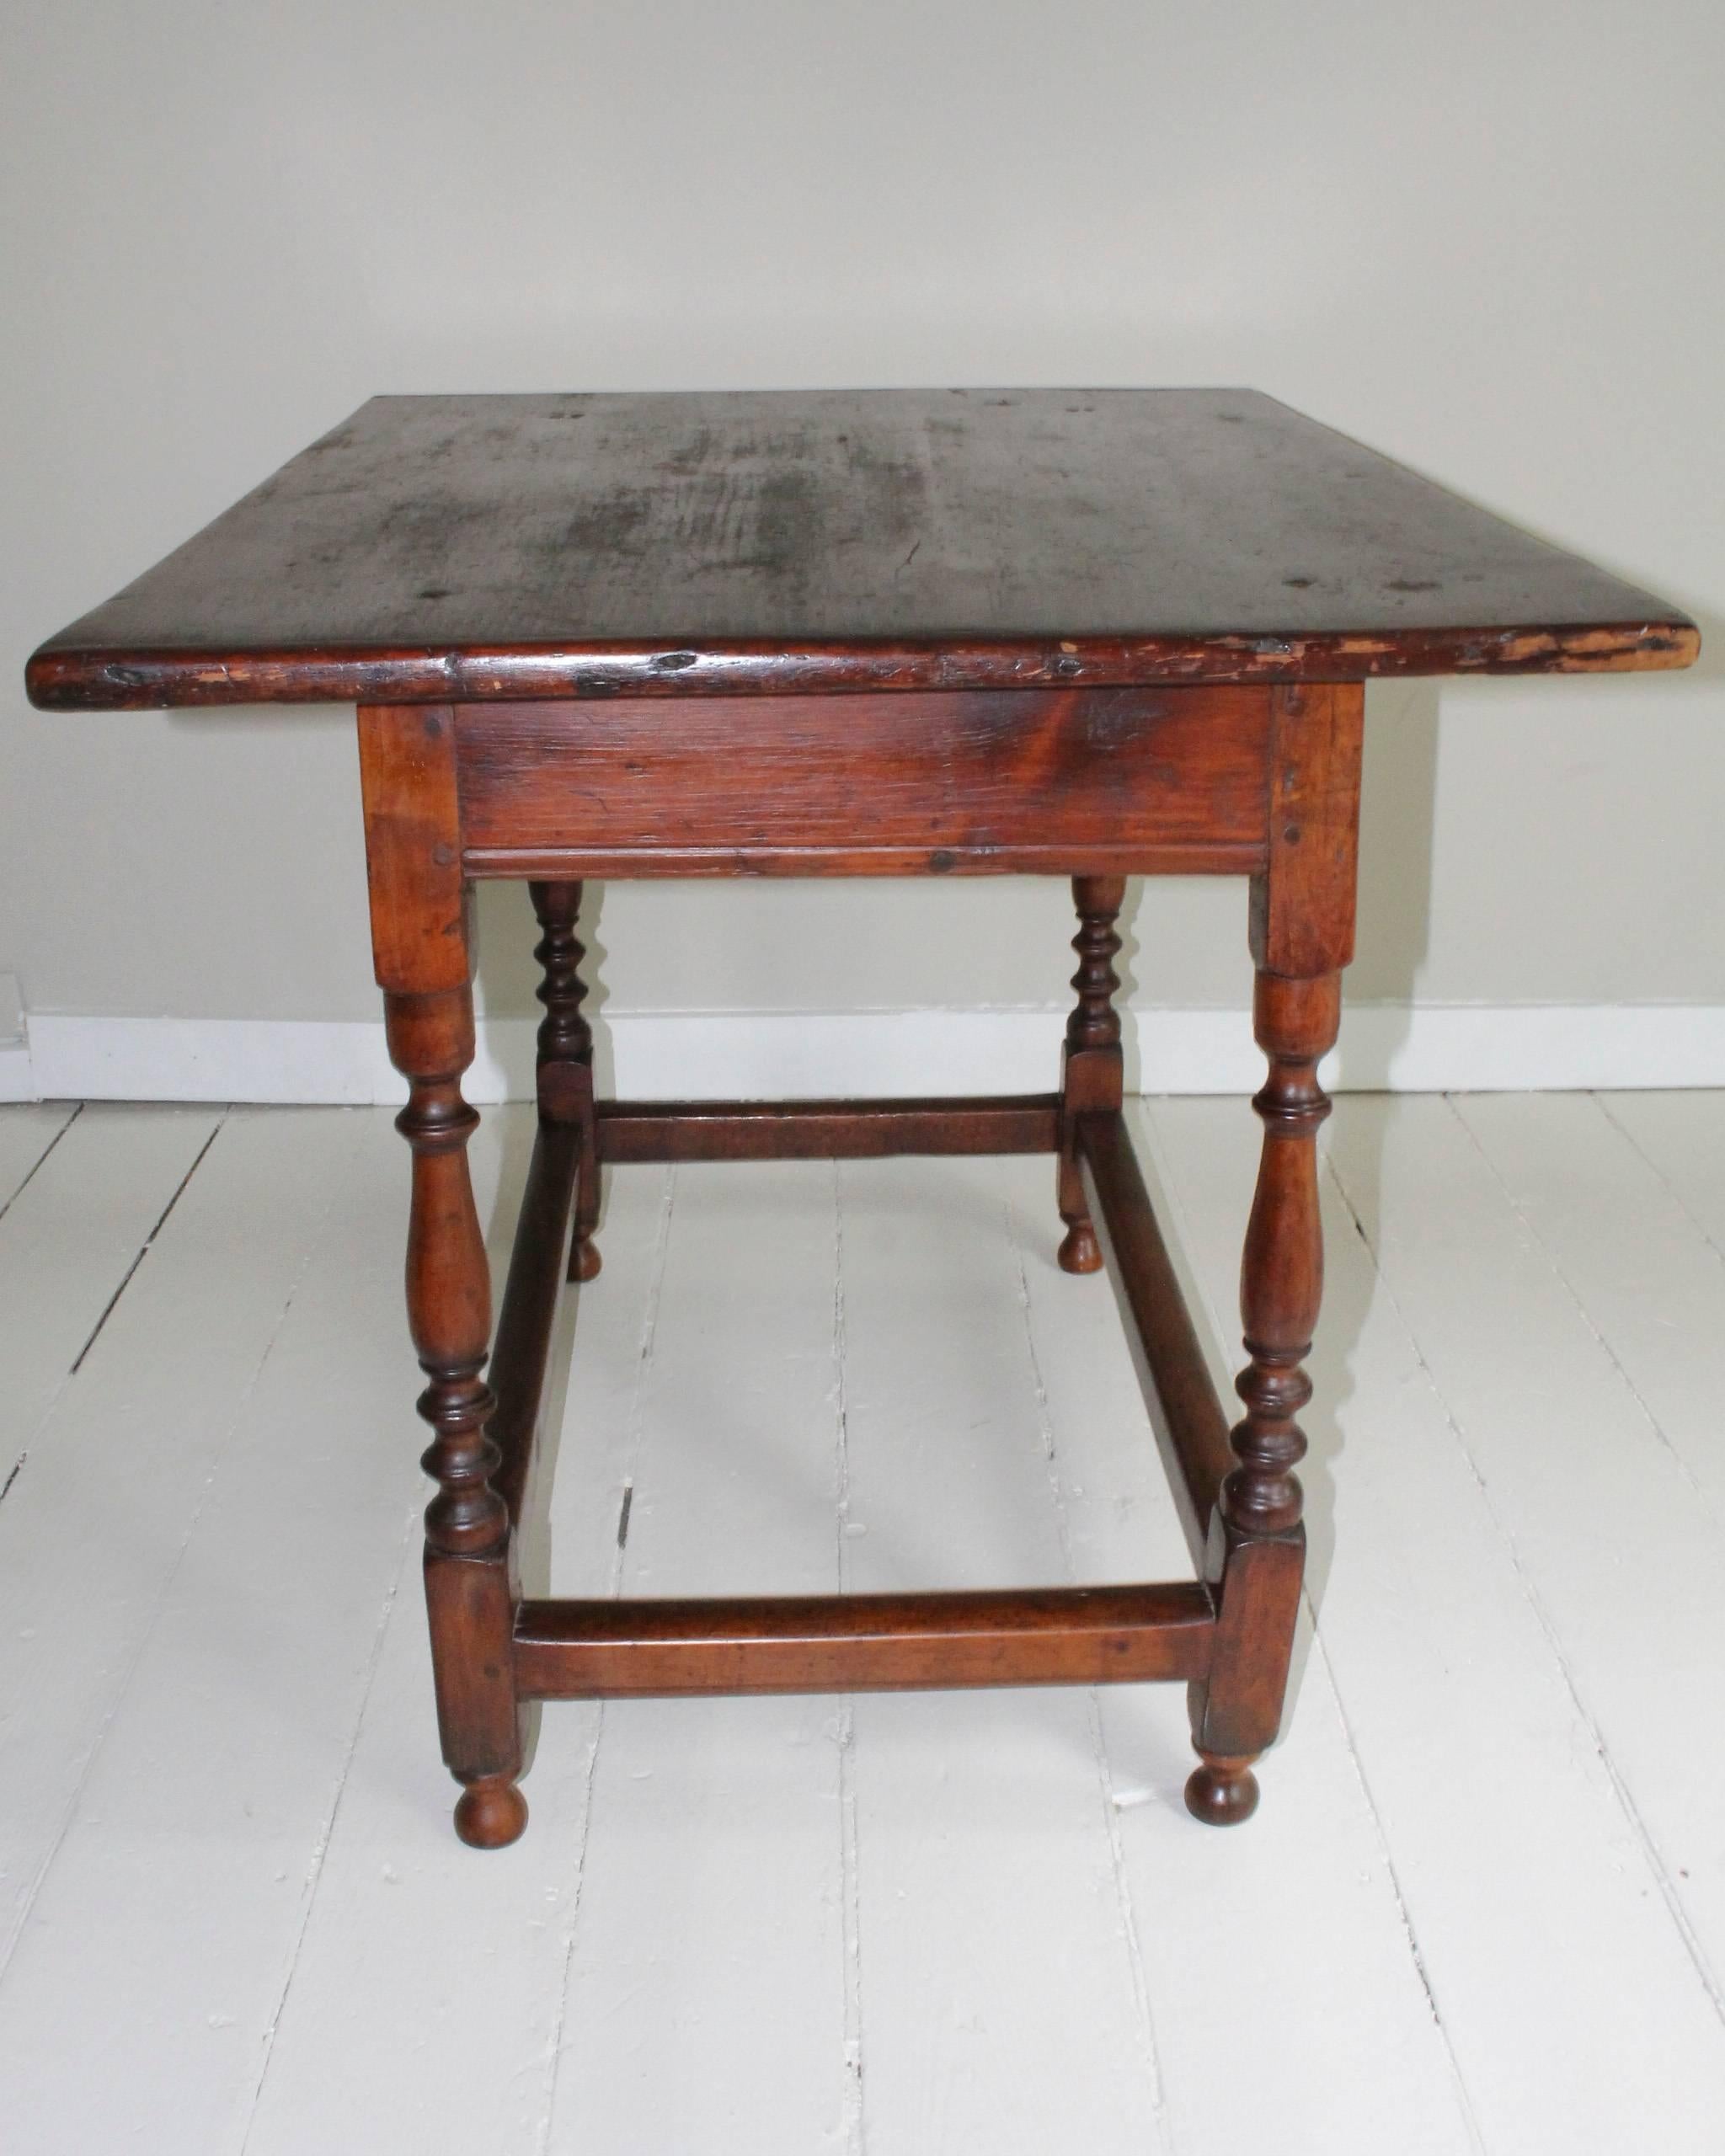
981, 1820
95, 1525
1575, 1463
1681, 1136
1347, 2031
1576, 1513
28, 1132
71, 1237
732, 1486
1479, 1910
205, 1803
382, 2027
1643, 1275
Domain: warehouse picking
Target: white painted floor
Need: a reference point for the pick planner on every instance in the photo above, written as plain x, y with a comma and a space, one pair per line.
1483, 1907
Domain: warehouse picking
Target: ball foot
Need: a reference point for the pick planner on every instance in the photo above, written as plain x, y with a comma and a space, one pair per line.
490, 1814
1222, 1792
583, 1259
1080, 1253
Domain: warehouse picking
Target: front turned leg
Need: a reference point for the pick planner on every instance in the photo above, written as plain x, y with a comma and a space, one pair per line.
467, 1589
423, 954
1090, 1075
565, 1061
1258, 1545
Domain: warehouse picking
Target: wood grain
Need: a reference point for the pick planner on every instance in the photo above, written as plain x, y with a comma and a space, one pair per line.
424, 960
826, 1130
456, 547
868, 785
1301, 919
863, 1642
421, 936
528, 1311
1191, 1429
1257, 1551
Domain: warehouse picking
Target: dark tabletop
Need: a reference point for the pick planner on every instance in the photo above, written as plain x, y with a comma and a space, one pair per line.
460, 547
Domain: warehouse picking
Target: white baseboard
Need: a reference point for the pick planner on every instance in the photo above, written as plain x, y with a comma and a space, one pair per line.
1398, 1048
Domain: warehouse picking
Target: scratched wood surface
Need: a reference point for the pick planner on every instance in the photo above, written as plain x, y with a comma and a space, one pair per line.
1479, 1911
1056, 780
678, 543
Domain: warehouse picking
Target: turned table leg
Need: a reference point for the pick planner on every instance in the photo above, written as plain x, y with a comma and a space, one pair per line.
565, 1070
1302, 936
422, 952
1090, 1075
1257, 1540
467, 1523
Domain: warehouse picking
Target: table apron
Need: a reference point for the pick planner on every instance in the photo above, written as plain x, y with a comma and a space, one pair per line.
1171, 781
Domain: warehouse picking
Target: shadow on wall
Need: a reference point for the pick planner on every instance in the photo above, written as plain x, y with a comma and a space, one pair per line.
1398, 813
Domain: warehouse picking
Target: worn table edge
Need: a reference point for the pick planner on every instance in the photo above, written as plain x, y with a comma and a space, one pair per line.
72, 677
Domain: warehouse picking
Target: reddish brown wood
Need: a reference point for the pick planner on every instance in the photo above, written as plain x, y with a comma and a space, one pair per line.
424, 964
420, 933
1185, 1413
1223, 1792
1168, 780
565, 1039
564, 1067
1256, 1542
1302, 934
1282, 1273
1092, 1071
812, 540
1302, 900
826, 1130
831, 632
863, 1642
529, 1311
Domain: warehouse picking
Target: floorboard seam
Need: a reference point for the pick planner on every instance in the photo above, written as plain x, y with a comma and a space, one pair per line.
1626, 1802
47, 1407
851, 2120
1180, 1223
1404, 1914
1098, 1738
320, 1848
1700, 1225
1651, 1419
113, 1302
17, 1193
632, 1450
314, 1244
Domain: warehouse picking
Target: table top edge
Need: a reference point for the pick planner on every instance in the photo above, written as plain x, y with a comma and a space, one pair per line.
72, 677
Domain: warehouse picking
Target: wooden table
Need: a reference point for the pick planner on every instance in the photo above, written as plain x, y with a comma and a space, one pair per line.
1088, 633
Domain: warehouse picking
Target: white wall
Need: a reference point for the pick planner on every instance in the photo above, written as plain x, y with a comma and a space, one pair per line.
1485, 239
